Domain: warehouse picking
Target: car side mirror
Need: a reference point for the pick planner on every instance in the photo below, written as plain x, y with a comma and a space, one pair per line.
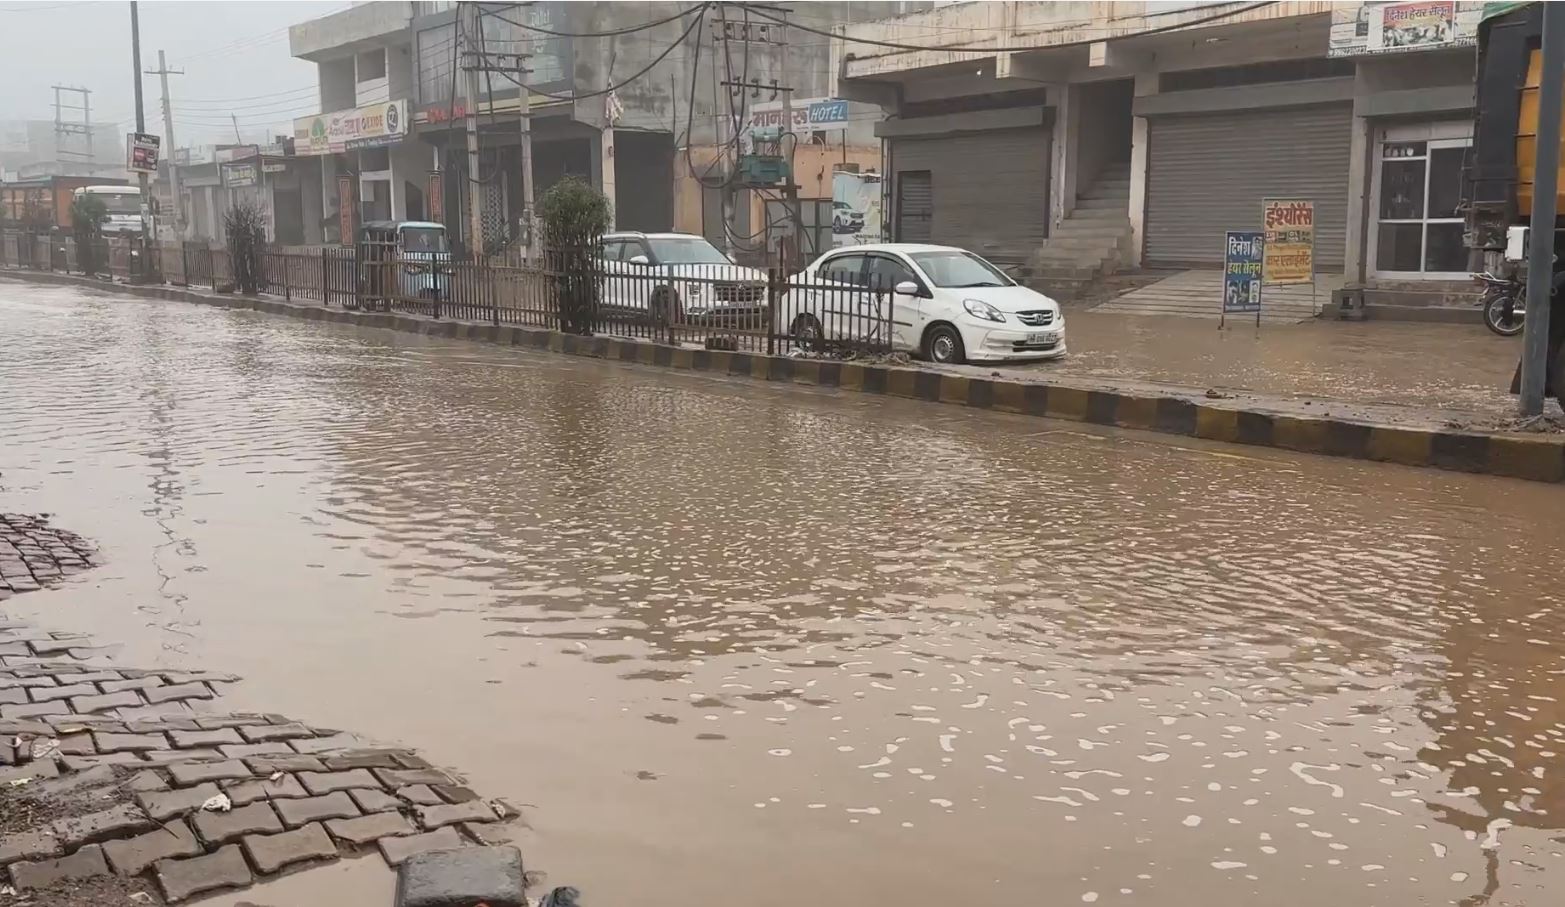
638, 259
906, 288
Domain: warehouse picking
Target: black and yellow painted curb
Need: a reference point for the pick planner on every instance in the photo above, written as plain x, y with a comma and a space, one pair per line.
1538, 458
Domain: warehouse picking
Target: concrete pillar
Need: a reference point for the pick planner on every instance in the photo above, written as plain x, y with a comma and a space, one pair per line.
1066, 136
1146, 84
1360, 146
606, 169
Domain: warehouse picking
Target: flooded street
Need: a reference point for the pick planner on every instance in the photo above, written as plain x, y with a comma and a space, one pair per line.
730, 643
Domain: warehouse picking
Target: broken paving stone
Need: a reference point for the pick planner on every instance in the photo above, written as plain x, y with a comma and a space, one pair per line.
35, 710
375, 801
186, 878
48, 694
211, 722
178, 692
27, 845
88, 704
398, 849
365, 829
313, 809
267, 732
77, 745
269, 853
120, 743
135, 683
169, 757
420, 794
470, 875
222, 827
314, 745
326, 782
265, 765
433, 817
285, 787
83, 864
82, 763
145, 781
197, 772
115, 822
362, 759
132, 856
248, 750
29, 772
141, 725
200, 738
162, 805
455, 793
97, 776
401, 777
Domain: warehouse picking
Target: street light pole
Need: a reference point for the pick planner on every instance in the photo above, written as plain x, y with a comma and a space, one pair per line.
1545, 183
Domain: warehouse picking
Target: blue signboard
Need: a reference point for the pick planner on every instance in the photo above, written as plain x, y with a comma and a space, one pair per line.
1242, 257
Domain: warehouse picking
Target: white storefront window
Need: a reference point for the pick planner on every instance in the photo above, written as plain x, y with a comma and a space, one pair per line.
1417, 189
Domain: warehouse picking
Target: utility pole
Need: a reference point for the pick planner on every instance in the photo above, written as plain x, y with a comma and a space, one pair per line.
791, 187
1545, 183
524, 99
475, 201
141, 124
163, 72
234, 117
747, 33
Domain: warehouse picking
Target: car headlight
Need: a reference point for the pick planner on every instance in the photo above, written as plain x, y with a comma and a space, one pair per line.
980, 309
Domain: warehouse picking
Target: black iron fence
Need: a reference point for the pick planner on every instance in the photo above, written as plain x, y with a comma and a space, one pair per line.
715, 305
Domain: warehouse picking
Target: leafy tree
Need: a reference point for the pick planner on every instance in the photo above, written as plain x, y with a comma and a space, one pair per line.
575, 216
87, 216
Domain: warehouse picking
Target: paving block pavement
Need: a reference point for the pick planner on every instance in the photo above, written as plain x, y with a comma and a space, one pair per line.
285, 787
326, 782
28, 845
336, 805
132, 856
270, 853
164, 805
196, 772
114, 822
433, 817
83, 864
398, 849
367, 829
221, 827
185, 878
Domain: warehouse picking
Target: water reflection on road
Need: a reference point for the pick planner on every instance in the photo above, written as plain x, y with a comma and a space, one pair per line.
740, 644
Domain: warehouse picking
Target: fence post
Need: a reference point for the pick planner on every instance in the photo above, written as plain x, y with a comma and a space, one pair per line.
771, 311
325, 278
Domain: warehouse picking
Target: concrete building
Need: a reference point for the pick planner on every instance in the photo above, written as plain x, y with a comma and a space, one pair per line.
655, 132
1076, 138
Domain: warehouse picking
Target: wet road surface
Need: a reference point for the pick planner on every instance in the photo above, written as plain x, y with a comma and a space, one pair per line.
732, 643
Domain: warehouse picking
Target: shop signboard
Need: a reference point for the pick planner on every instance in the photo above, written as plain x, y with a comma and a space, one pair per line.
1390, 27
346, 130
437, 196
240, 174
347, 201
141, 152
1243, 253
1289, 247
809, 115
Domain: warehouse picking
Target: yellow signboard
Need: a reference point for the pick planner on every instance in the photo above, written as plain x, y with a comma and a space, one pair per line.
1289, 225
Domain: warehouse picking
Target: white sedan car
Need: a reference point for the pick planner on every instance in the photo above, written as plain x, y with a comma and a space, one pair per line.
942, 303
679, 273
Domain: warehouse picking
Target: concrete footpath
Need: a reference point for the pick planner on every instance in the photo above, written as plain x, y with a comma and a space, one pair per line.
1474, 439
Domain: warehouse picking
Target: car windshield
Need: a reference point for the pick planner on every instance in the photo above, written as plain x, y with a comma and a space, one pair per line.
960, 269
682, 251
116, 203
423, 239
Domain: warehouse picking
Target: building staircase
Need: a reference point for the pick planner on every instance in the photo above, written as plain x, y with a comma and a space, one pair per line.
1093, 241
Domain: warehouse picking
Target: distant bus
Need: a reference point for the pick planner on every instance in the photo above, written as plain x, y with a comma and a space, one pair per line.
123, 204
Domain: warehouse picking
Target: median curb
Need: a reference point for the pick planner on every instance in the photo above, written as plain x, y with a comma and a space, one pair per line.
1539, 457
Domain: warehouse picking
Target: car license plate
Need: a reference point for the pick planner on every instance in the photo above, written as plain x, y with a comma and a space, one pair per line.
1044, 337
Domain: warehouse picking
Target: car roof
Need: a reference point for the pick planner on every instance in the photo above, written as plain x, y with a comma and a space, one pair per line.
903, 247
398, 224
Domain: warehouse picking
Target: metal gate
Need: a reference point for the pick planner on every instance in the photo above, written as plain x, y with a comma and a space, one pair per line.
1207, 173
915, 206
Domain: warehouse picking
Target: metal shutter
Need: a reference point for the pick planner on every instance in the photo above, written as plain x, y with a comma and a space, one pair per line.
915, 206
990, 190
1207, 173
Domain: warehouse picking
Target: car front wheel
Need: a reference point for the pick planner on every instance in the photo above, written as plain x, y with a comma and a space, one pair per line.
943, 344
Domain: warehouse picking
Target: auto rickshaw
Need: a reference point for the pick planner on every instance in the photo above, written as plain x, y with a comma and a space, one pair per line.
402, 261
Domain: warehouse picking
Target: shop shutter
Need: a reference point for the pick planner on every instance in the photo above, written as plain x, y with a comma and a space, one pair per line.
989, 191
915, 206
1207, 174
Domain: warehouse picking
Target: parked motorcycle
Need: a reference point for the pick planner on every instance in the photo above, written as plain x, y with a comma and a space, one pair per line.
1504, 303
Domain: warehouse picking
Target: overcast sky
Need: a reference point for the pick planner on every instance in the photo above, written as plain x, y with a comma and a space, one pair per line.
235, 57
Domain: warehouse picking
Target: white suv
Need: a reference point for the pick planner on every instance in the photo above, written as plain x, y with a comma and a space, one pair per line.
676, 273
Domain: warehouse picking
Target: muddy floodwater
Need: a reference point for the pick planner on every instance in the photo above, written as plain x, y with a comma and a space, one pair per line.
729, 643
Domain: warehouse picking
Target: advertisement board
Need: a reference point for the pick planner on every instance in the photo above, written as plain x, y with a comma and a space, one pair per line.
855, 208
1377, 28
1242, 261
345, 130
1289, 253
141, 152
241, 174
